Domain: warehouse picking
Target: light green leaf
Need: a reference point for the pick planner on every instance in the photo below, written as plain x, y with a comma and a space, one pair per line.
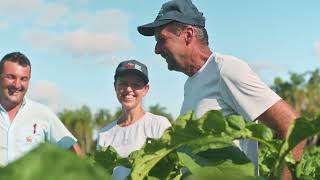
236, 122
51, 163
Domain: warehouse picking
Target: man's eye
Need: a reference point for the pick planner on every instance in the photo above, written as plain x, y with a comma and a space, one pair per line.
24, 79
10, 77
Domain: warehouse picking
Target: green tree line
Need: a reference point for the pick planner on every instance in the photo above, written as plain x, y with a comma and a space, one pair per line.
84, 124
301, 90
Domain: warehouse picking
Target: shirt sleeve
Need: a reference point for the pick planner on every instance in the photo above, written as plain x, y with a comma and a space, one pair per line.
156, 126
243, 90
59, 134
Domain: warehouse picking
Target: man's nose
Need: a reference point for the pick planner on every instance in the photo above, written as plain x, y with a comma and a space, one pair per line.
17, 83
157, 49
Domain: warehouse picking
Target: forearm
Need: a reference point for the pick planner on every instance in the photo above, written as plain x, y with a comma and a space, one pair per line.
280, 117
76, 148
286, 119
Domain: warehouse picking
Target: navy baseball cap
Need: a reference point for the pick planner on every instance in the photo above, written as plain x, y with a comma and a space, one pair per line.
134, 67
183, 11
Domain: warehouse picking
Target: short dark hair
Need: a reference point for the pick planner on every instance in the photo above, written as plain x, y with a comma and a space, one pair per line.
201, 32
16, 57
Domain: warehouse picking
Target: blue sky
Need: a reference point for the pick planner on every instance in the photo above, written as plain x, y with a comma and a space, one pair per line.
75, 46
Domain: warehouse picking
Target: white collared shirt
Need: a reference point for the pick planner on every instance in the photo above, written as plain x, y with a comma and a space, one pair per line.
33, 124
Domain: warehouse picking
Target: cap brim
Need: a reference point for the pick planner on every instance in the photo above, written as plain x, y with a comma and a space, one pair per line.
133, 71
149, 29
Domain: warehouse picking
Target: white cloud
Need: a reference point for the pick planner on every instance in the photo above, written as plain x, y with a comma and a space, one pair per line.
99, 34
108, 20
317, 48
80, 42
47, 93
61, 28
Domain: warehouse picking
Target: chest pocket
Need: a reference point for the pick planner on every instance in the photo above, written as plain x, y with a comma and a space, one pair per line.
31, 135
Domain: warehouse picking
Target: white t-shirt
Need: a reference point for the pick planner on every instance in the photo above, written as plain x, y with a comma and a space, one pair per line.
130, 138
228, 84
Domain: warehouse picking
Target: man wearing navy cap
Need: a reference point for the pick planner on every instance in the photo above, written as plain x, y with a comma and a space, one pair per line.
216, 81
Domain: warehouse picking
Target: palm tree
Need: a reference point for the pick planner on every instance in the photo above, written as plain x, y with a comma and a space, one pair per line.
80, 124
158, 110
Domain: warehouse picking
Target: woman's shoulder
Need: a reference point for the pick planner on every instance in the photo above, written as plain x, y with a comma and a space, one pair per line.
108, 127
156, 119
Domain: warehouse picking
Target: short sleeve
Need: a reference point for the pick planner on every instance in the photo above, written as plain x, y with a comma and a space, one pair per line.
59, 134
243, 90
156, 126
104, 133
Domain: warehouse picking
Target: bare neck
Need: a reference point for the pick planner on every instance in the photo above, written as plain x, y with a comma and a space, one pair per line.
11, 109
131, 116
199, 56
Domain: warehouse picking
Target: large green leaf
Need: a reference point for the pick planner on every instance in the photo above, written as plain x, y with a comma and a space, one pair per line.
208, 132
227, 160
109, 159
226, 171
299, 131
51, 163
168, 168
212, 122
236, 122
310, 163
263, 134
188, 162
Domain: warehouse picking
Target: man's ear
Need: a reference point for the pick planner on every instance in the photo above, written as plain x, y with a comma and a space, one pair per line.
189, 34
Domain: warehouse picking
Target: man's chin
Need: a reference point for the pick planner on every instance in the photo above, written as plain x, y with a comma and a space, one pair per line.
15, 100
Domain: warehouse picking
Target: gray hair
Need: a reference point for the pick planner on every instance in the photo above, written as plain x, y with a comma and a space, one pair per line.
201, 32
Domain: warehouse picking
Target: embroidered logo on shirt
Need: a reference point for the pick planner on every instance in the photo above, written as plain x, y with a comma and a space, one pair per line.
29, 139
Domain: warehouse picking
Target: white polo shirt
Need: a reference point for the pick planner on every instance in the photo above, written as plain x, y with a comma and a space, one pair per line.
228, 84
34, 123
